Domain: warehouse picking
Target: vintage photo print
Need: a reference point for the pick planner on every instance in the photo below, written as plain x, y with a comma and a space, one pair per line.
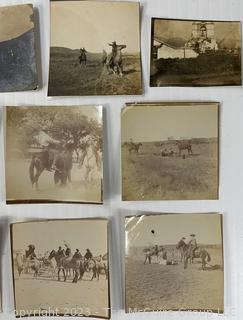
54, 154
95, 48
60, 267
17, 49
174, 262
195, 53
169, 151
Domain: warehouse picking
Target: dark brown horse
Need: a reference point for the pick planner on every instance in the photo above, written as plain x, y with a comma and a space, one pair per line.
189, 254
40, 163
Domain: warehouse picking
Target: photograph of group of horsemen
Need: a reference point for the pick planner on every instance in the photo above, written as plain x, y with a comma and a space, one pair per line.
103, 58
65, 265
169, 151
180, 256
66, 268
54, 154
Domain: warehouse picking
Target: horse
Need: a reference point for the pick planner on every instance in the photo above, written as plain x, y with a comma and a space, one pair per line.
90, 163
132, 146
189, 254
65, 264
40, 162
82, 57
63, 168
24, 264
113, 61
101, 267
149, 253
184, 145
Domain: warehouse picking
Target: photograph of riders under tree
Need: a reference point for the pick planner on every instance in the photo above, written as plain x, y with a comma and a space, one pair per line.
54, 154
195, 53
95, 48
61, 266
174, 262
169, 151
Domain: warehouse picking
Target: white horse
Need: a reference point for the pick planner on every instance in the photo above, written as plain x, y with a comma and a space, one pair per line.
90, 164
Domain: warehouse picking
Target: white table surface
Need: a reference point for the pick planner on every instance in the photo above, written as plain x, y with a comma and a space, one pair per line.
231, 162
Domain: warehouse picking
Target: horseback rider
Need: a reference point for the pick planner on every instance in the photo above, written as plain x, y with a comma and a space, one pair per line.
193, 244
68, 251
88, 255
113, 52
30, 253
77, 255
61, 252
42, 137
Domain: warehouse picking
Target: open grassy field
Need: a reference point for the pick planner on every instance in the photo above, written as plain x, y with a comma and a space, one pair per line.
67, 77
171, 287
149, 176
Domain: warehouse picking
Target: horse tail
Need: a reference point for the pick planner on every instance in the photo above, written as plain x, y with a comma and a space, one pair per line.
32, 170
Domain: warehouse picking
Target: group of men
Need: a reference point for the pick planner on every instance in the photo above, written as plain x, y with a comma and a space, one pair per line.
31, 255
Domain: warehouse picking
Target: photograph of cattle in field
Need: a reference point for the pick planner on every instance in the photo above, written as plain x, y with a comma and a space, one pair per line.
95, 48
61, 265
54, 154
169, 151
17, 49
195, 53
174, 262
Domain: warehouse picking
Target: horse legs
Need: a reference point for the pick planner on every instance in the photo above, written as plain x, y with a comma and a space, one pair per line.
64, 274
37, 176
58, 274
185, 262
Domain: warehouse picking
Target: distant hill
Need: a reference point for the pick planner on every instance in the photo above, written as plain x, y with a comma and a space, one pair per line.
63, 51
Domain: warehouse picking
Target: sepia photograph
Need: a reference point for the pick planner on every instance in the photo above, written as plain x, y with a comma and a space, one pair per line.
169, 151
195, 53
54, 154
174, 262
95, 48
17, 49
66, 272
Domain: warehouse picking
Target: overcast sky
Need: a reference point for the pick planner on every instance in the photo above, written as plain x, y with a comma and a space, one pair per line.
157, 123
48, 235
170, 228
14, 21
93, 25
178, 28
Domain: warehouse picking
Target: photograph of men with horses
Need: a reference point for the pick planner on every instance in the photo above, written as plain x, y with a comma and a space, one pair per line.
195, 53
54, 154
169, 151
61, 265
95, 48
174, 262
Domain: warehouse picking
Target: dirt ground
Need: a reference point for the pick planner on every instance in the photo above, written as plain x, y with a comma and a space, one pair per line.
67, 77
85, 297
149, 176
170, 287
19, 186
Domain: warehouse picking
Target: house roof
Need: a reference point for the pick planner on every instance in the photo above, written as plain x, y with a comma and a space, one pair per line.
174, 43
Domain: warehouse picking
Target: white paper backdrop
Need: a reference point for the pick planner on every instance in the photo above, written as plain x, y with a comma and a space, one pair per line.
231, 161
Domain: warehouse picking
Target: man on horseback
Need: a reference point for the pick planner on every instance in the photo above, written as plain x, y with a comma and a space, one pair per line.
30, 253
88, 255
113, 52
193, 244
47, 143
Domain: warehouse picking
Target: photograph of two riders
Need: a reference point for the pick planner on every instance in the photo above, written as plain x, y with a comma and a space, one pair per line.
60, 265
54, 154
174, 262
95, 48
